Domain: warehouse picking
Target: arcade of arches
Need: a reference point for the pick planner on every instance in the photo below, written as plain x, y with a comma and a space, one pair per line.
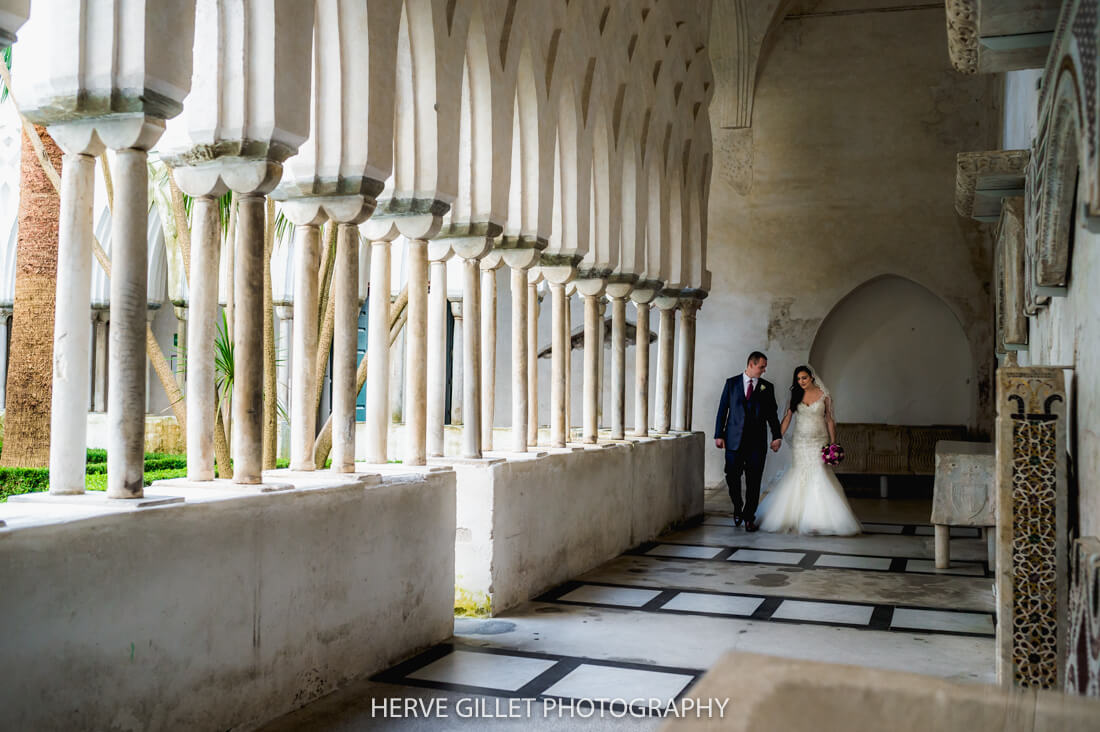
477, 270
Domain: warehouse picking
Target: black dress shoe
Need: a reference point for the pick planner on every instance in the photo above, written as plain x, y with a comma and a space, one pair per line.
750, 526
737, 518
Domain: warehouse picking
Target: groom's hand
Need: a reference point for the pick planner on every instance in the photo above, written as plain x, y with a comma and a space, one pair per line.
719, 443
776, 444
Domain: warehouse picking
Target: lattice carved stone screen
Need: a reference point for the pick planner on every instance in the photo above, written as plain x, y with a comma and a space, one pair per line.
1032, 569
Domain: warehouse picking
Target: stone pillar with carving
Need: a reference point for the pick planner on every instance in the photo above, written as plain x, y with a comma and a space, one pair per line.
1032, 567
1083, 633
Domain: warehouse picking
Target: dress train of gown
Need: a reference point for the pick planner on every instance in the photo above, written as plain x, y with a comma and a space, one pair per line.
808, 498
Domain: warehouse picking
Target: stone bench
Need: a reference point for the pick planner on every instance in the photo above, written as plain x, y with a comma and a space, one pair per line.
889, 449
963, 492
769, 693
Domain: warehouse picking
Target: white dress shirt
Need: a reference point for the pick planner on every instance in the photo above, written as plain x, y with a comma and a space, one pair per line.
745, 381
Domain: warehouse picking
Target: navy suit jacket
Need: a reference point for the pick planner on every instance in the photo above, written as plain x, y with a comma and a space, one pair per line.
739, 418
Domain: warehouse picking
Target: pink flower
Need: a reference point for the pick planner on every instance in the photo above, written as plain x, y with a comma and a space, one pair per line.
832, 454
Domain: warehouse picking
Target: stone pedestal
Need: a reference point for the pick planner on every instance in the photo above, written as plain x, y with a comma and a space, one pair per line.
1032, 567
963, 492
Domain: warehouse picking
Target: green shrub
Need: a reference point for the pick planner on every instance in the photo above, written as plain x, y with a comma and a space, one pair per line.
14, 481
96, 455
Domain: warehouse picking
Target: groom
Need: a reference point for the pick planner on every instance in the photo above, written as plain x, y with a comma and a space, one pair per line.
748, 403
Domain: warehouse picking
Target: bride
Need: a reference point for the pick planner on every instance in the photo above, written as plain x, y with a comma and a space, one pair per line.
808, 498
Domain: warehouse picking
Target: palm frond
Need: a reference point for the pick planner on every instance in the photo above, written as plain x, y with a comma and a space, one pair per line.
6, 55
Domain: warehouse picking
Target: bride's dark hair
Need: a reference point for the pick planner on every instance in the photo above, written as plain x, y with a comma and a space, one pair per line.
797, 392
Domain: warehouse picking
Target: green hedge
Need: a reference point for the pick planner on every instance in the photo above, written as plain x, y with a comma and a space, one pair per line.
158, 465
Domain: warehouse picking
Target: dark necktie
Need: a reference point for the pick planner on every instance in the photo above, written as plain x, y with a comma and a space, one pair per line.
748, 392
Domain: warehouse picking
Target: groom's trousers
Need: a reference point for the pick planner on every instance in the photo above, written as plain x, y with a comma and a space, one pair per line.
750, 463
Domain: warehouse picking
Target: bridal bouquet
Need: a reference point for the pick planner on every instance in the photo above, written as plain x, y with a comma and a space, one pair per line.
832, 454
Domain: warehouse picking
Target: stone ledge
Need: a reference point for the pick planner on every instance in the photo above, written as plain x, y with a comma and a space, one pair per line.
856, 699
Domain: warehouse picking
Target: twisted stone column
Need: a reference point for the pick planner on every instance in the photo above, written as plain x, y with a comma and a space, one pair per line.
378, 354
248, 342
437, 357
202, 332
345, 341
126, 380
69, 399
303, 378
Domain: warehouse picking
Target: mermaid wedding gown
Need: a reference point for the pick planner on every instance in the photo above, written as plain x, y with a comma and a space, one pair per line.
808, 498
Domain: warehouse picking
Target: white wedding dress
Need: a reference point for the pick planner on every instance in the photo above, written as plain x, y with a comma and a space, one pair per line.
808, 498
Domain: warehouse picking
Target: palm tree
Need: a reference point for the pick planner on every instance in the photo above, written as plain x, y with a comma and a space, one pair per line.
30, 361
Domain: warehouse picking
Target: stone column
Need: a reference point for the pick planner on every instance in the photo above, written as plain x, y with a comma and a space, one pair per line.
685, 365
1032, 568
202, 329
285, 313
5, 330
457, 339
69, 399
601, 342
568, 330
532, 360
489, 265
642, 298
437, 357
618, 366
345, 338
182, 314
378, 354
520, 357
99, 385
471, 360
248, 341
416, 366
126, 391
303, 377
559, 429
592, 291
666, 344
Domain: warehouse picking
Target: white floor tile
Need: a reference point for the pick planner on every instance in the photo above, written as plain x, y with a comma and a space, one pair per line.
969, 569
883, 528
943, 620
850, 562
718, 521
824, 612
624, 596
589, 681
698, 602
685, 552
488, 670
763, 555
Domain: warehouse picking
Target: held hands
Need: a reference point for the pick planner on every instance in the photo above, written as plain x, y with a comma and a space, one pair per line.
775, 445
719, 443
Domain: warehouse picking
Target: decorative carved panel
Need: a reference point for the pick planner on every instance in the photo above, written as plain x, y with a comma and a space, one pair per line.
1011, 318
982, 179
1083, 641
1031, 526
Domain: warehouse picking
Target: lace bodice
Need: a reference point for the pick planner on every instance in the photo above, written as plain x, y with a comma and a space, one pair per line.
809, 425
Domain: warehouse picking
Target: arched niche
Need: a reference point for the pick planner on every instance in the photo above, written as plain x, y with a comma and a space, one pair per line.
893, 352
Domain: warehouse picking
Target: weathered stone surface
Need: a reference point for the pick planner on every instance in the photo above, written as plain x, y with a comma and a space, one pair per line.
804, 696
1083, 642
963, 493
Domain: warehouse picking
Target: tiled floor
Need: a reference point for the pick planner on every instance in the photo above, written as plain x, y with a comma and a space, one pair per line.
640, 630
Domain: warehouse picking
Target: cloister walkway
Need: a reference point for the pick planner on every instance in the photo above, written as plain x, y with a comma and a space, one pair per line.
650, 622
